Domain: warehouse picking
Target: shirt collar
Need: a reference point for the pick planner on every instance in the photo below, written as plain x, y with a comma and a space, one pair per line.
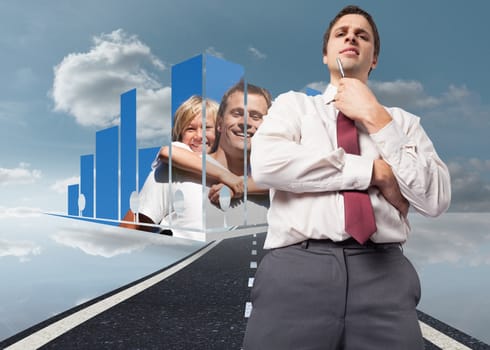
328, 96
329, 93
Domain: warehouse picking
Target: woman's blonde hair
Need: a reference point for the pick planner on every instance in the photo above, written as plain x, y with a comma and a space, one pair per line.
188, 110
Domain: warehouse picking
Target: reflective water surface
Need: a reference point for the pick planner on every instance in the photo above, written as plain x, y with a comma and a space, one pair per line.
50, 264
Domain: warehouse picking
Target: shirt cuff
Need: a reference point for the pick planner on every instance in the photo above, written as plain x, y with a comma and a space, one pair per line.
357, 172
390, 141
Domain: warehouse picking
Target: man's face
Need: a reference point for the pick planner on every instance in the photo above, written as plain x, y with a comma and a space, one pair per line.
352, 40
232, 124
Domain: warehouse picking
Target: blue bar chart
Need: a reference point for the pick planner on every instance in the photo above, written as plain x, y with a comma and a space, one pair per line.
117, 170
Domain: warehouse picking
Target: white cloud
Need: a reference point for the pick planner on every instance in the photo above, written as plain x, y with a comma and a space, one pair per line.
461, 108
212, 51
256, 53
405, 94
87, 85
19, 212
153, 120
470, 189
61, 186
456, 107
20, 175
455, 238
318, 85
21, 249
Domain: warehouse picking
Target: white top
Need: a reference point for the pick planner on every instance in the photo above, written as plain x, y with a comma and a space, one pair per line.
180, 204
162, 200
295, 153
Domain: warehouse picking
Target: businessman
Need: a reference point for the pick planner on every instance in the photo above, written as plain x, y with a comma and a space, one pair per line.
343, 171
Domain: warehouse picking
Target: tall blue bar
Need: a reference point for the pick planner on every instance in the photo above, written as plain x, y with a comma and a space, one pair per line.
186, 81
219, 76
73, 200
146, 156
128, 148
87, 183
106, 175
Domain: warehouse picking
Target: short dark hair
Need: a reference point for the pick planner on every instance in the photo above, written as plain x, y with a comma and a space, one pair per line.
238, 87
353, 10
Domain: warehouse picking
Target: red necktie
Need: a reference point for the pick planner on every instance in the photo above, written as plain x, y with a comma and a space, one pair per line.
359, 216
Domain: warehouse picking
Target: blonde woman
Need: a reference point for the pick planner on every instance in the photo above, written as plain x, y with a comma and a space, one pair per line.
188, 134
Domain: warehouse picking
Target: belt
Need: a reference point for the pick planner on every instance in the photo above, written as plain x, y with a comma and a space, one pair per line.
348, 243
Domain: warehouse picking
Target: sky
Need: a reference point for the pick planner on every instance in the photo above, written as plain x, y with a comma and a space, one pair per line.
64, 65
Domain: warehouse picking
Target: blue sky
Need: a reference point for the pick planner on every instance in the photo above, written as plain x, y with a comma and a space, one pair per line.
64, 64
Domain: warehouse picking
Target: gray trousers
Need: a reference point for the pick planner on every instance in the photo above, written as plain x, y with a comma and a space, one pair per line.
323, 295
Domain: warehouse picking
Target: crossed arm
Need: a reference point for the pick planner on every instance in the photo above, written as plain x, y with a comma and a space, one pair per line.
290, 159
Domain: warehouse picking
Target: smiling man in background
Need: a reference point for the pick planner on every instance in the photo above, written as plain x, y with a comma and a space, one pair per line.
179, 204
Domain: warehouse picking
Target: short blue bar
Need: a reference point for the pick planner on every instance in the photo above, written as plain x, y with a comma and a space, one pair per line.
87, 183
73, 200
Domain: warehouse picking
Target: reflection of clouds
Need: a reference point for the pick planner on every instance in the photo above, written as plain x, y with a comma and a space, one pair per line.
20, 249
19, 212
458, 238
100, 242
109, 241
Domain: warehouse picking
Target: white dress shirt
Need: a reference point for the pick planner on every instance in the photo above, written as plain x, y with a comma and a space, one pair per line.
295, 154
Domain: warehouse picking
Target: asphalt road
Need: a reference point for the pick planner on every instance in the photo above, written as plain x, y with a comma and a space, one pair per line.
202, 306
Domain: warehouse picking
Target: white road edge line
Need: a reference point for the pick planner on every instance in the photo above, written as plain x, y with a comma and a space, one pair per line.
440, 339
54, 330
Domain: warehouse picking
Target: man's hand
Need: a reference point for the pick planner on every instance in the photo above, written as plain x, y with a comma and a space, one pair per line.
214, 192
234, 182
357, 102
385, 180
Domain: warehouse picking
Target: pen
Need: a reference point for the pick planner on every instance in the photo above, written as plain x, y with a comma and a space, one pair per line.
341, 69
